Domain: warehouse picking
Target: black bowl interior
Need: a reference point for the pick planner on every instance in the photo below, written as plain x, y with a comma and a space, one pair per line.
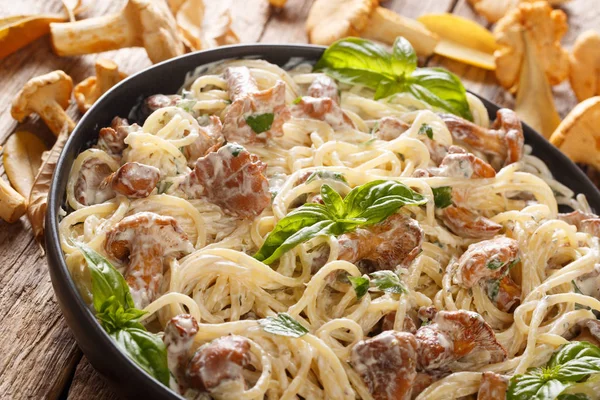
168, 77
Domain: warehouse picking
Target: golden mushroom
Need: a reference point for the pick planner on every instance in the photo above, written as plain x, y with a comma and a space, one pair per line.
578, 135
12, 204
48, 96
585, 65
531, 59
330, 20
142, 23
493, 10
89, 90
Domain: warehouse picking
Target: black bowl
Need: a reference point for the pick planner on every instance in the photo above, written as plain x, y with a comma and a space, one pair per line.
168, 77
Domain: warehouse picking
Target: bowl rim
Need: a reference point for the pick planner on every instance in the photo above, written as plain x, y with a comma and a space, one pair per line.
64, 285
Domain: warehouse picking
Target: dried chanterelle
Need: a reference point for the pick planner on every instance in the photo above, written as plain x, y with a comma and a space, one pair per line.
531, 59
142, 23
578, 135
12, 204
48, 96
89, 90
585, 65
330, 20
493, 10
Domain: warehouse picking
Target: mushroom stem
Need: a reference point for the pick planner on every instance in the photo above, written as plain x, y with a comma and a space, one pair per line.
534, 103
385, 25
94, 35
107, 75
12, 204
55, 117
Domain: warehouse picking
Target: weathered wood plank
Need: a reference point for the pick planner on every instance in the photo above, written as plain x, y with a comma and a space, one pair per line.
89, 385
287, 24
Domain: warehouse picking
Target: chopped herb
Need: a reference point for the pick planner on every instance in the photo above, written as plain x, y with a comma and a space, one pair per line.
495, 264
283, 325
577, 290
442, 196
425, 129
388, 282
360, 284
493, 287
367, 143
235, 149
336, 176
375, 128
187, 105
163, 186
260, 122
297, 100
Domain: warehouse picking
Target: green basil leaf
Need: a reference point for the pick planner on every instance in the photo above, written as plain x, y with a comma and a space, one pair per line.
283, 325
572, 351
534, 386
576, 396
578, 369
353, 76
442, 196
260, 122
350, 55
387, 281
440, 89
406, 55
332, 175
387, 87
146, 349
377, 200
425, 129
292, 238
360, 284
107, 282
333, 201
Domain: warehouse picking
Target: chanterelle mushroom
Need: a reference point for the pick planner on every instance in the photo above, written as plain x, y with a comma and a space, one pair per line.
493, 10
585, 65
12, 204
142, 23
46, 95
578, 135
544, 28
330, 20
89, 90
146, 240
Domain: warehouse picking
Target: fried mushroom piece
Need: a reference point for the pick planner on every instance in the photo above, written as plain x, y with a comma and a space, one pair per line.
493, 386
217, 367
585, 65
383, 246
92, 173
488, 262
390, 128
112, 139
504, 139
145, 241
323, 86
178, 339
466, 223
460, 164
210, 137
387, 364
454, 335
232, 178
322, 109
248, 103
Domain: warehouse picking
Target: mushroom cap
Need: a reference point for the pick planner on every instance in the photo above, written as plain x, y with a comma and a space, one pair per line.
585, 65
54, 86
88, 91
330, 20
578, 135
545, 27
493, 10
146, 230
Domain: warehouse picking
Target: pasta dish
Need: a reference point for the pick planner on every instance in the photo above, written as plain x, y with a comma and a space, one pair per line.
299, 234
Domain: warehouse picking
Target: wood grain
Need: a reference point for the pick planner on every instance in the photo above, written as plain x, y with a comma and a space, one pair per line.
38, 354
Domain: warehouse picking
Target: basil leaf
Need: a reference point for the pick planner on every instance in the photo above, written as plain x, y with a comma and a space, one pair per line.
283, 325
576, 396
576, 360
146, 349
362, 55
534, 386
336, 176
377, 200
425, 129
387, 87
360, 284
333, 201
574, 350
440, 89
107, 282
388, 282
442, 196
406, 55
113, 316
353, 76
260, 122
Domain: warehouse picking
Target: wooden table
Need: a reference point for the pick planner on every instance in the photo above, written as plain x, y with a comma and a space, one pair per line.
39, 358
